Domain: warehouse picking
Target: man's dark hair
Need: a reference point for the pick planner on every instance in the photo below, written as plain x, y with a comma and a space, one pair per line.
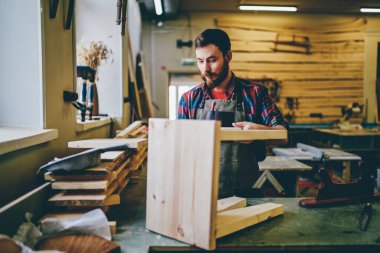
216, 37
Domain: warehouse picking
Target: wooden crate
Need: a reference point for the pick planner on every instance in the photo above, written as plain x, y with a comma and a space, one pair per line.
182, 182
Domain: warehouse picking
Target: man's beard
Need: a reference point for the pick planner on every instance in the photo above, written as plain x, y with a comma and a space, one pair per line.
220, 77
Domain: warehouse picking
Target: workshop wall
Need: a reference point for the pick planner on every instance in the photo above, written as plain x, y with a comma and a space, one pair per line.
326, 66
18, 168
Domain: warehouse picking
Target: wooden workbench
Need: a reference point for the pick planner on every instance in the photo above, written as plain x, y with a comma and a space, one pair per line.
299, 230
329, 154
348, 140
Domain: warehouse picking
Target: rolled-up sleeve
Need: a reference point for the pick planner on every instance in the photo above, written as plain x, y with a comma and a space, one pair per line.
183, 108
270, 114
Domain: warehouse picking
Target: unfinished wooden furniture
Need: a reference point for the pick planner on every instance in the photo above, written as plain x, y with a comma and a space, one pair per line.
182, 182
280, 164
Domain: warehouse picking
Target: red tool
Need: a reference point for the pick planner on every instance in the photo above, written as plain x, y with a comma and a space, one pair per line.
358, 191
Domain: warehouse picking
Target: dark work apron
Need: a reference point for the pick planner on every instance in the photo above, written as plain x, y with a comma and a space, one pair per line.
238, 164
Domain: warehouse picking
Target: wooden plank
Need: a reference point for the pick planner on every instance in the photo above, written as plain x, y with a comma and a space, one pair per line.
182, 180
97, 143
129, 129
237, 219
253, 35
327, 119
138, 131
324, 111
357, 24
112, 156
230, 204
298, 58
317, 87
321, 101
298, 75
297, 67
286, 35
327, 93
132, 72
147, 86
277, 163
237, 134
49, 176
80, 185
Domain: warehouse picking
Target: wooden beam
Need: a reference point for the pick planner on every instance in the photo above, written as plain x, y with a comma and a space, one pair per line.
97, 143
80, 185
237, 219
297, 67
237, 134
129, 129
231, 203
294, 75
289, 57
358, 24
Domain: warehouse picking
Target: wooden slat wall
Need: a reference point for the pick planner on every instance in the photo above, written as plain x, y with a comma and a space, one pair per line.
323, 77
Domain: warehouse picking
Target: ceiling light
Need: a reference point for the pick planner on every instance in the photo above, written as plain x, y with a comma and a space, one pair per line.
158, 7
245, 7
370, 10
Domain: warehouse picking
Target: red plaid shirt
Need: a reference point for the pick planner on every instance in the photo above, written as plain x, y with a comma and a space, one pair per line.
259, 107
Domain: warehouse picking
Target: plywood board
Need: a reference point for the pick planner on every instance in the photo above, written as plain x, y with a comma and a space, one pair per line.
182, 180
237, 219
97, 143
237, 134
80, 185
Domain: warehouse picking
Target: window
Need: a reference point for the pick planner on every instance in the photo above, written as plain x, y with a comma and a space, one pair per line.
179, 84
21, 71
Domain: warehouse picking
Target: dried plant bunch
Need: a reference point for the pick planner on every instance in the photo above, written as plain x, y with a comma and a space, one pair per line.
93, 54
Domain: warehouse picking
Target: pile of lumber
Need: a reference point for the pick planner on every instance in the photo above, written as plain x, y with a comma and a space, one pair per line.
99, 186
102, 185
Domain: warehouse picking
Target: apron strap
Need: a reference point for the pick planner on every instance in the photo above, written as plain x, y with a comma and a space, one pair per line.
202, 103
239, 97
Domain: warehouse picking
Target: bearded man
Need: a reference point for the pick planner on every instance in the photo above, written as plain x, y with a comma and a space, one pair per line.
236, 102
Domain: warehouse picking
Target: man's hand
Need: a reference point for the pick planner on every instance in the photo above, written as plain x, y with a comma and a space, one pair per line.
244, 125
249, 126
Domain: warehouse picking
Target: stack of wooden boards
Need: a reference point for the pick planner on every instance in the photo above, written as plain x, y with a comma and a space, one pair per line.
102, 185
